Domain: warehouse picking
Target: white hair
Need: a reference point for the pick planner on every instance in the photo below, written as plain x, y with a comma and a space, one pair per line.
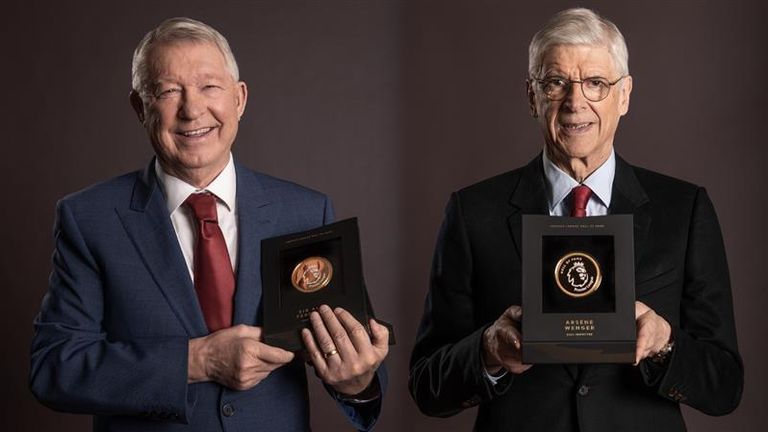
578, 26
172, 30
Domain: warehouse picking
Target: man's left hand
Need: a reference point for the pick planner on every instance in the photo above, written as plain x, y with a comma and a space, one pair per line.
342, 353
653, 332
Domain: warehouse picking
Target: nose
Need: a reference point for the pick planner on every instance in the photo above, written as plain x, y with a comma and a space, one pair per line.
192, 105
574, 99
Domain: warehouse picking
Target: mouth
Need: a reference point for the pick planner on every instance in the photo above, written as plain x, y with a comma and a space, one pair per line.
196, 133
576, 128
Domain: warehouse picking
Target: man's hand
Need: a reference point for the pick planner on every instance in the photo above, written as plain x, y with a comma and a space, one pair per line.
343, 355
234, 357
653, 332
501, 343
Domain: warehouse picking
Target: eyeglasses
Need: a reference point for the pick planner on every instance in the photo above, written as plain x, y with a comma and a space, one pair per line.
594, 89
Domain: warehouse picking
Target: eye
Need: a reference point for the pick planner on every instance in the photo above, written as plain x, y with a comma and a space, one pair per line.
210, 88
165, 93
555, 83
596, 83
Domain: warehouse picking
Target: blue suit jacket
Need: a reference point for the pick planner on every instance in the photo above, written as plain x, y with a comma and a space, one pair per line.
112, 334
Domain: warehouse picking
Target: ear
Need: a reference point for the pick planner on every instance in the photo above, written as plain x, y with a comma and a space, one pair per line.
531, 98
241, 98
137, 104
626, 90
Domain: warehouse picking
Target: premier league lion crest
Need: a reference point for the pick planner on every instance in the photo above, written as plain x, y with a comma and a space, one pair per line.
578, 274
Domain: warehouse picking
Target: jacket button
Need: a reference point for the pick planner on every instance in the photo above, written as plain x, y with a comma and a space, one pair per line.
228, 410
584, 390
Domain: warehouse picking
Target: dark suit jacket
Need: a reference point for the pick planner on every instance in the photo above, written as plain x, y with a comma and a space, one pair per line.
112, 334
681, 273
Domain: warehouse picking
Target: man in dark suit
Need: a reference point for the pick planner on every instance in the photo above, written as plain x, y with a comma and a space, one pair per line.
151, 320
468, 349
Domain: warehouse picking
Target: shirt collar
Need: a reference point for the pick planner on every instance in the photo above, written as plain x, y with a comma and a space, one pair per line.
559, 183
224, 187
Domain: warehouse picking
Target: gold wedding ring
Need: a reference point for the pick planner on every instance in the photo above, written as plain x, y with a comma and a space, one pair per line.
331, 353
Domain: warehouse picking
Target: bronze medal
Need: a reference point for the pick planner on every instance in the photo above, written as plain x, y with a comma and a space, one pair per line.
312, 274
578, 274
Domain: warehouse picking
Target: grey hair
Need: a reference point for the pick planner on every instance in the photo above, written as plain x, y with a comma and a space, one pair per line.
578, 26
172, 30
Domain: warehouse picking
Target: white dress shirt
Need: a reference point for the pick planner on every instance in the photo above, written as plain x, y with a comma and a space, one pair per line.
559, 185
224, 188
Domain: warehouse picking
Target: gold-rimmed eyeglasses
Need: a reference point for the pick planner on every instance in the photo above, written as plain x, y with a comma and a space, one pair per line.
594, 89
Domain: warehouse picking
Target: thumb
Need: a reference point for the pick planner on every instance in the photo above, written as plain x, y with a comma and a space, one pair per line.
640, 308
380, 335
241, 331
272, 354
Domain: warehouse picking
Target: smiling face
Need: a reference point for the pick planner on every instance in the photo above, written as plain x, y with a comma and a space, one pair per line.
578, 132
191, 109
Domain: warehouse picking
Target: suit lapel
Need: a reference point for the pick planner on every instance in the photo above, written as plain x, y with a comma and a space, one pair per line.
629, 197
149, 227
257, 214
529, 196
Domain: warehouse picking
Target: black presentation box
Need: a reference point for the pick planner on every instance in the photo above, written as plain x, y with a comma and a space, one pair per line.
578, 289
303, 270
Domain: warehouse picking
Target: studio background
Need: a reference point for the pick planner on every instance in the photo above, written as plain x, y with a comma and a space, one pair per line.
387, 107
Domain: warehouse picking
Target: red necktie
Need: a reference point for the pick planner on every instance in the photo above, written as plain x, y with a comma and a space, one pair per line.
214, 279
580, 195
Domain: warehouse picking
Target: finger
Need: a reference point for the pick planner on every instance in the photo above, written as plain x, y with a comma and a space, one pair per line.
315, 354
380, 335
242, 331
338, 333
356, 332
323, 338
256, 333
518, 369
640, 309
511, 337
514, 312
274, 355
642, 342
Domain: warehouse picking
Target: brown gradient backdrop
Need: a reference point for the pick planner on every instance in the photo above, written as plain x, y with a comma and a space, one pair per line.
387, 107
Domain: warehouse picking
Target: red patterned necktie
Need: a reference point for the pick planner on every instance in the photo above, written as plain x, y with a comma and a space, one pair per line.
580, 195
214, 279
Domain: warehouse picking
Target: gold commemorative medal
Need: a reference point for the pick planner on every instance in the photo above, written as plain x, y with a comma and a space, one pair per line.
578, 274
312, 274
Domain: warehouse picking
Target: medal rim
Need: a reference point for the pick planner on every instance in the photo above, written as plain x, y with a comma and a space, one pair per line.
325, 281
595, 285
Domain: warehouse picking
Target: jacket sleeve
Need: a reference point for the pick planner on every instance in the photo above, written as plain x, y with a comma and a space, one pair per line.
363, 415
705, 370
446, 371
76, 367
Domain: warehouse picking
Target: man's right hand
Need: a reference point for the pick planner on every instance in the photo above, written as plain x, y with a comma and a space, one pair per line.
501, 343
234, 357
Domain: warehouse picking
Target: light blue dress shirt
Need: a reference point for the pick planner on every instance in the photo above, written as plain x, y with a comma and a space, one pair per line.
559, 185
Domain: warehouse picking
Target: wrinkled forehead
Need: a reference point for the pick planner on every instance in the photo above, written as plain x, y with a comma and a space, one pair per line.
163, 55
580, 59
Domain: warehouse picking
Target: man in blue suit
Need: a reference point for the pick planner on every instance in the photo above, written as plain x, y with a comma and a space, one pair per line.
135, 329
